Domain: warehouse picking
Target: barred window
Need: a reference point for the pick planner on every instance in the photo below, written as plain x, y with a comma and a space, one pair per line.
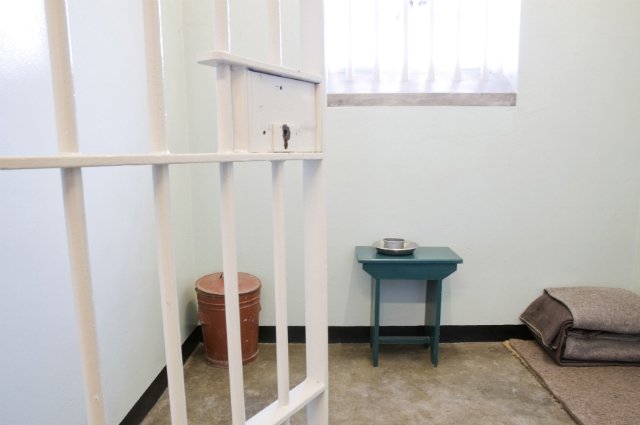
379, 47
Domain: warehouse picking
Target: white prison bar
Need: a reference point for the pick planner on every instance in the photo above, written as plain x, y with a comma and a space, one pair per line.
279, 233
231, 298
80, 160
162, 201
315, 242
312, 40
169, 296
240, 104
280, 282
73, 194
315, 225
222, 28
224, 111
275, 32
226, 143
315, 293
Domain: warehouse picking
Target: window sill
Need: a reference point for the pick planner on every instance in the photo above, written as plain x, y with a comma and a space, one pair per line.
421, 99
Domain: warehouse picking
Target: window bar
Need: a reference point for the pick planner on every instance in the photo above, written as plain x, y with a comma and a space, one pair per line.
350, 13
73, 194
485, 61
162, 200
431, 73
405, 39
457, 75
376, 29
227, 217
500, 17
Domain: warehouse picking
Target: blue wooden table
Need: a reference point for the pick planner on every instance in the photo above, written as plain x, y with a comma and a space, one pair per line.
431, 264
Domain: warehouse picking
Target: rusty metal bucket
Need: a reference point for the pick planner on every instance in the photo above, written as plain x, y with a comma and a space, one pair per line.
211, 313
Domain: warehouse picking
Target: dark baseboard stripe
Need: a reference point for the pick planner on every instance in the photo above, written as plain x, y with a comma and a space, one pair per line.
360, 334
484, 333
151, 396
337, 334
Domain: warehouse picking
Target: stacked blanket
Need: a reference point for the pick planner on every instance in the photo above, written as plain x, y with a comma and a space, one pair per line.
585, 326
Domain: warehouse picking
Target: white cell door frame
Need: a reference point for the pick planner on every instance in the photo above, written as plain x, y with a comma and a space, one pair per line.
231, 75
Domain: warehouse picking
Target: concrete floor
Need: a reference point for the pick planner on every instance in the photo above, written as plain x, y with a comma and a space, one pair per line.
475, 383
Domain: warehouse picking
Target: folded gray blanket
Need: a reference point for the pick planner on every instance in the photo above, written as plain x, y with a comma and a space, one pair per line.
586, 325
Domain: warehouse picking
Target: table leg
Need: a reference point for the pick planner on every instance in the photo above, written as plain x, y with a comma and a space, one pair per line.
375, 320
432, 317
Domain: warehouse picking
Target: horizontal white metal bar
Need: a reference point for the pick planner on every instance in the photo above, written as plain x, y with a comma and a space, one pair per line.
80, 160
215, 57
299, 396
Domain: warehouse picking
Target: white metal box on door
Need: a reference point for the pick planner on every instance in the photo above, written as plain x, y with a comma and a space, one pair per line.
280, 113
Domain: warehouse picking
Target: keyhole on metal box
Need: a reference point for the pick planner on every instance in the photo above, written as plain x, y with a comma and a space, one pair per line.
286, 135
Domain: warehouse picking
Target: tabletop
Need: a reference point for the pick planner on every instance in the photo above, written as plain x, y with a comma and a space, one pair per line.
423, 254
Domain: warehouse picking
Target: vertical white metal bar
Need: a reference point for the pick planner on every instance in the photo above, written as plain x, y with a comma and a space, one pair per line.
73, 193
275, 29
405, 43
83, 293
232, 307
61, 75
315, 244
169, 295
225, 135
315, 279
224, 110
162, 201
221, 35
280, 281
279, 247
312, 40
238, 97
222, 41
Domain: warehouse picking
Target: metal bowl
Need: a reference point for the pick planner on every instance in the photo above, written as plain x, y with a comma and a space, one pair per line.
407, 248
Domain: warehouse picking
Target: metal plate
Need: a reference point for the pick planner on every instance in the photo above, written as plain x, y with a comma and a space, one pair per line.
407, 249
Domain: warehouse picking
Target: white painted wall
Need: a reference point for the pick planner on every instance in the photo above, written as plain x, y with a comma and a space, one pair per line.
39, 362
542, 194
539, 195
